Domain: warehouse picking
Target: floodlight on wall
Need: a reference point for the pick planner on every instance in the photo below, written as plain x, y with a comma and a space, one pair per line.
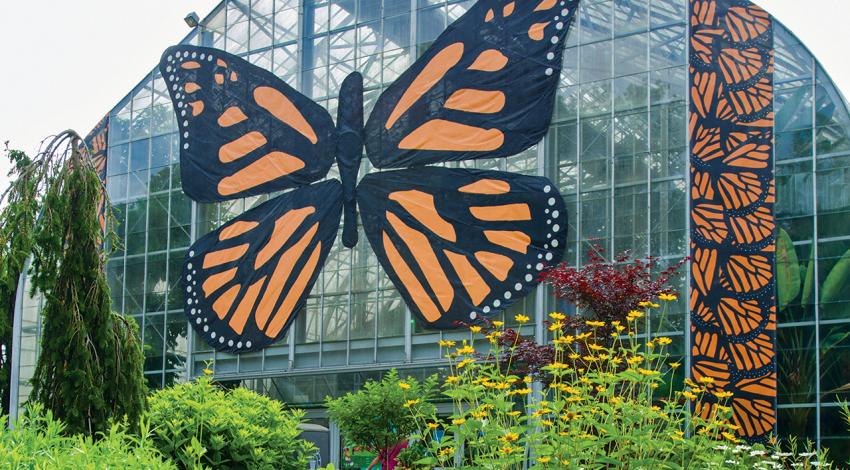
192, 19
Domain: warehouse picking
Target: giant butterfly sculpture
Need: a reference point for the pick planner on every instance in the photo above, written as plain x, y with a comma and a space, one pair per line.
457, 243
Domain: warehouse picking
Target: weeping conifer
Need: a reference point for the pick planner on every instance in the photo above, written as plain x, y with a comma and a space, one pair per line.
89, 369
16, 232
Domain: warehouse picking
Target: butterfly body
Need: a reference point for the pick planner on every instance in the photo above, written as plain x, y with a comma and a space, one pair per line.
458, 244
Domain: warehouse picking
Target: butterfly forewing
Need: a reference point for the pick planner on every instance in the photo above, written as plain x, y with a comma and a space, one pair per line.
484, 89
246, 281
243, 131
462, 243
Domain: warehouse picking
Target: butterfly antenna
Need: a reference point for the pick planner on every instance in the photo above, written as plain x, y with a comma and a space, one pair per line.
349, 150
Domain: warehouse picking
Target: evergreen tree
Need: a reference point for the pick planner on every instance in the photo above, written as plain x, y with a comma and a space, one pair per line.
89, 369
18, 220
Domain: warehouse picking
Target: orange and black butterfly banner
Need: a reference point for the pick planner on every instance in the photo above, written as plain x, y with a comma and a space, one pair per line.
733, 294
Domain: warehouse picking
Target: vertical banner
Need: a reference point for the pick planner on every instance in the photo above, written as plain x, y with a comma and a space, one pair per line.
733, 294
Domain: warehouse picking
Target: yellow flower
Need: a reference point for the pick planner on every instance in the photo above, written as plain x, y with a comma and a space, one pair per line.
644, 304
595, 324
543, 459
479, 414
556, 326
447, 451
433, 425
404, 386
557, 316
574, 399
654, 305
475, 329
634, 315
509, 437
521, 319
648, 372
522, 391
458, 421
558, 366
498, 324
634, 360
208, 372
446, 343
527, 379
410, 403
706, 380
723, 394
514, 413
452, 379
507, 450
464, 363
729, 436
574, 356
466, 349
689, 395
595, 347
619, 328
650, 344
675, 365
668, 297
664, 341
546, 422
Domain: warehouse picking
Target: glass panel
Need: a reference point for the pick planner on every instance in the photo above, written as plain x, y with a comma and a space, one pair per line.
796, 368
154, 341
156, 286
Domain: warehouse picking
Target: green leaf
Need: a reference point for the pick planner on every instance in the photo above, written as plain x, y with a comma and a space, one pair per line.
836, 286
787, 270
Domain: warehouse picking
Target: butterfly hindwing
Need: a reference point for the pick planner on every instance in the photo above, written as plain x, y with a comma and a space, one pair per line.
246, 280
243, 131
484, 89
462, 243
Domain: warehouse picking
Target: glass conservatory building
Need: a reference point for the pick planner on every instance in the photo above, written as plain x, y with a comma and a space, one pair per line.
617, 148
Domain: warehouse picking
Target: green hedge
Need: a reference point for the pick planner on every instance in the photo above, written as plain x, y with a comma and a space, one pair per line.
38, 441
199, 424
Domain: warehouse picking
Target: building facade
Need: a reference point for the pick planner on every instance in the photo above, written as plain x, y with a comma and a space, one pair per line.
617, 149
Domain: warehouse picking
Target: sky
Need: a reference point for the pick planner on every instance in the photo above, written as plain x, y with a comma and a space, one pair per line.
67, 63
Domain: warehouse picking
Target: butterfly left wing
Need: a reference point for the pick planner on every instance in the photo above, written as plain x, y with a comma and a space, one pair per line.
462, 243
246, 281
243, 131
484, 89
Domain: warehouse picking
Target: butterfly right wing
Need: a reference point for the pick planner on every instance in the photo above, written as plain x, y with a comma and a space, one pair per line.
243, 131
484, 89
246, 280
461, 243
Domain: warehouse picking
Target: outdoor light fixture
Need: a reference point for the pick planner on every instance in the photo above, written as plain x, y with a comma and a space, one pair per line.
192, 19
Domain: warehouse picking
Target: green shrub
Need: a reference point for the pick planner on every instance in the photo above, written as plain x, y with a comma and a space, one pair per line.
382, 413
38, 441
200, 425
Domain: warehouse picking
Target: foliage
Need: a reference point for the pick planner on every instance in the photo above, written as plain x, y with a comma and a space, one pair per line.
603, 407
796, 279
39, 442
610, 289
379, 416
411, 454
528, 358
200, 425
17, 222
90, 363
